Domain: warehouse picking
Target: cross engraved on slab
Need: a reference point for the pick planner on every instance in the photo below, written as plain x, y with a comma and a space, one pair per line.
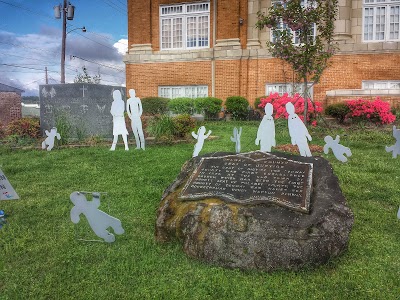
252, 178
83, 89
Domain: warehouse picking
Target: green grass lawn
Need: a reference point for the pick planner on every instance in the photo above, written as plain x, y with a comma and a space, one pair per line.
41, 257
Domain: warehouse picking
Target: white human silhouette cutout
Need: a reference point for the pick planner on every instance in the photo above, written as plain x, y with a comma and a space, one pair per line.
338, 150
119, 127
395, 149
49, 141
200, 137
236, 138
298, 131
266, 130
98, 220
135, 110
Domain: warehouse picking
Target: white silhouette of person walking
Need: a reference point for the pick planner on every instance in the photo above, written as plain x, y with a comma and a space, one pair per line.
135, 110
338, 150
119, 127
200, 137
298, 131
395, 149
266, 130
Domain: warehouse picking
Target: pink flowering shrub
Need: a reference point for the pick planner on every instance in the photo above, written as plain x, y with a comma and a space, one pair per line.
376, 111
279, 104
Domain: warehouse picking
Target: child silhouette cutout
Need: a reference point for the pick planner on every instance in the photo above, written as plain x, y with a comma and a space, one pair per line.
338, 150
200, 137
395, 149
266, 130
98, 220
49, 141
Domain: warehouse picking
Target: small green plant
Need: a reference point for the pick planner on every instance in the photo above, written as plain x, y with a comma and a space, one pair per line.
24, 127
183, 124
154, 105
338, 111
257, 102
209, 106
64, 128
162, 127
93, 140
80, 133
181, 105
237, 106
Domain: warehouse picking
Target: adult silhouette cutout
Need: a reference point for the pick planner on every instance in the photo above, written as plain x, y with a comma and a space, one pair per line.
200, 137
395, 149
135, 110
338, 150
298, 131
51, 136
119, 127
266, 130
98, 220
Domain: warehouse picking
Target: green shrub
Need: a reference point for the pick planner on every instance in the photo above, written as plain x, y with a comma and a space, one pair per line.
64, 128
237, 106
24, 127
2, 131
338, 111
181, 105
257, 102
154, 105
208, 105
184, 124
162, 127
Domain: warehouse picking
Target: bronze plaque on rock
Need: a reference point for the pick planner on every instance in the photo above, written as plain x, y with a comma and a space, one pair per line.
252, 178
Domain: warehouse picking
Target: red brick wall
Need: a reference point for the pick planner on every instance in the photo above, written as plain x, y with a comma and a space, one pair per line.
10, 107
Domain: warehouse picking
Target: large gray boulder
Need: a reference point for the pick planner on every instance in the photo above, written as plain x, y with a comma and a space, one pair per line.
258, 236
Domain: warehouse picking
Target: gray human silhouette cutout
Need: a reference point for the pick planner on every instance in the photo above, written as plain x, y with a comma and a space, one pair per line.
266, 130
395, 149
119, 127
338, 150
135, 110
398, 213
236, 138
49, 141
200, 137
298, 131
98, 220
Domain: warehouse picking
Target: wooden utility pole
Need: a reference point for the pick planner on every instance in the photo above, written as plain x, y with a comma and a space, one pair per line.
64, 37
47, 79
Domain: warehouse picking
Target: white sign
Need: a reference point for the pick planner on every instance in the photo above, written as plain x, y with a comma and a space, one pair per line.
6, 190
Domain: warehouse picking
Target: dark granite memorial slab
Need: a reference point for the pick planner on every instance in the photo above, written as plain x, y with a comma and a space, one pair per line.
86, 107
252, 178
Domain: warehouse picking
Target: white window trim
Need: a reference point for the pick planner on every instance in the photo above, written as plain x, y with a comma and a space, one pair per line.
387, 4
271, 36
184, 17
298, 87
388, 84
183, 87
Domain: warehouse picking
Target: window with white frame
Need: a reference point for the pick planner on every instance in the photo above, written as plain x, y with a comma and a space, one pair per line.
283, 26
185, 26
290, 88
189, 91
380, 85
381, 20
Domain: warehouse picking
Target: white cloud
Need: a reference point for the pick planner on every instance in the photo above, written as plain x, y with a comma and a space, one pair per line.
31, 53
122, 46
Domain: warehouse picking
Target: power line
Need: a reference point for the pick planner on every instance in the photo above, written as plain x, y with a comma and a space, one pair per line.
27, 9
94, 62
115, 7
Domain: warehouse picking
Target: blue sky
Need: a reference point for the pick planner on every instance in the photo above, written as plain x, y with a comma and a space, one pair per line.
30, 40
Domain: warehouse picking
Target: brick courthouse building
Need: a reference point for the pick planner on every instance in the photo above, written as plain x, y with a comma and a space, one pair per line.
212, 48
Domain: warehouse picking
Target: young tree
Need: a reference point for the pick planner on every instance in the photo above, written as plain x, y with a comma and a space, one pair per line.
294, 23
86, 78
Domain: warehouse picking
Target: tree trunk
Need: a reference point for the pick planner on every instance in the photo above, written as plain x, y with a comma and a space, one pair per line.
305, 97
